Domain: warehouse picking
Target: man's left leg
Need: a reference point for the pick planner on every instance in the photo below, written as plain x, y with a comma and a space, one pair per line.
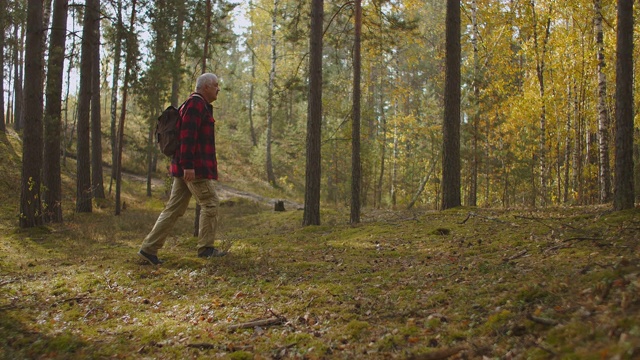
204, 191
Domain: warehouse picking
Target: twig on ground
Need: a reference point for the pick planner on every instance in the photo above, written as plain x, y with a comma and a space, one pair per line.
581, 238
516, 256
201, 346
7, 282
543, 321
276, 320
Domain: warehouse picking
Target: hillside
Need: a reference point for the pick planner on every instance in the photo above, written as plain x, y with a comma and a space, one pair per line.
467, 283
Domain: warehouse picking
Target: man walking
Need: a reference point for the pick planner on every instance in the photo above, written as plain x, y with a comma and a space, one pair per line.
194, 169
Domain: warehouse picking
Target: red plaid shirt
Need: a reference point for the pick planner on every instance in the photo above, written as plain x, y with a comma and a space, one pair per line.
197, 140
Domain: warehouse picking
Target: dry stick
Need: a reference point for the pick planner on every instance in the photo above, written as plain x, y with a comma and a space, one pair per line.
580, 238
262, 322
202, 346
543, 321
516, 256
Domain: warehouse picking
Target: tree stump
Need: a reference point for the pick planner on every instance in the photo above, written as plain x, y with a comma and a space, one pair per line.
279, 206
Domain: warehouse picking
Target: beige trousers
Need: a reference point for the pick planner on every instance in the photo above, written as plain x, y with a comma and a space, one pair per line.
205, 193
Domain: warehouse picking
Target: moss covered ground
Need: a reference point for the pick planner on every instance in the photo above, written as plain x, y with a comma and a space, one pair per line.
467, 283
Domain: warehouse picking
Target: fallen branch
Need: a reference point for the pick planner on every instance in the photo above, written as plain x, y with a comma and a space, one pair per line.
276, 320
202, 346
580, 238
543, 321
516, 256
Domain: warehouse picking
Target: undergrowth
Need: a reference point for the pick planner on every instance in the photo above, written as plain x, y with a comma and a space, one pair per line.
465, 283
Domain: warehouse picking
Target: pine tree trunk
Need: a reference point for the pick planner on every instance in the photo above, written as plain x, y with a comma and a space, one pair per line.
451, 123
311, 215
53, 115
17, 78
115, 79
129, 62
84, 190
30, 201
96, 121
3, 26
176, 69
475, 127
624, 197
270, 98
356, 166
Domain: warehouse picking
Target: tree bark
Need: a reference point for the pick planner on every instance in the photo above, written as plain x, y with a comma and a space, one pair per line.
356, 166
176, 69
96, 122
53, 114
451, 123
3, 26
129, 63
30, 201
84, 190
604, 173
311, 215
270, 98
18, 101
472, 198
115, 79
624, 197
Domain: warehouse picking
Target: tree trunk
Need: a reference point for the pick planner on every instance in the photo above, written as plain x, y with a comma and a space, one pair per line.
17, 78
129, 63
53, 114
3, 26
311, 215
270, 99
624, 197
30, 202
254, 139
356, 166
604, 173
176, 69
84, 190
540, 52
115, 79
472, 198
96, 122
451, 123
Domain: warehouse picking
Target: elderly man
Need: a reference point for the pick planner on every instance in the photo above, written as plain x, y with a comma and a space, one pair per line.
194, 169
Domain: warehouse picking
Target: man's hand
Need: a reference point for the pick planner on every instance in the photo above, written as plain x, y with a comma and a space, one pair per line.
189, 175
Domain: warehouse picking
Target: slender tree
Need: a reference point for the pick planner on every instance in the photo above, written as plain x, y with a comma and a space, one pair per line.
270, 95
451, 123
604, 173
115, 80
176, 69
3, 26
132, 53
96, 121
624, 197
53, 114
313, 170
83, 155
18, 34
356, 166
30, 202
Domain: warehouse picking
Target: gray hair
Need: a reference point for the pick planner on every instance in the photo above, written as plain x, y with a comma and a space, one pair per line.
204, 80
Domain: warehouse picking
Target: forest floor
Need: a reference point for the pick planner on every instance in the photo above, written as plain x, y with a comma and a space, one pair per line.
467, 283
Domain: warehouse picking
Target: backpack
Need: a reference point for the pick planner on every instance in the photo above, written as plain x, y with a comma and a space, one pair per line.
167, 131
